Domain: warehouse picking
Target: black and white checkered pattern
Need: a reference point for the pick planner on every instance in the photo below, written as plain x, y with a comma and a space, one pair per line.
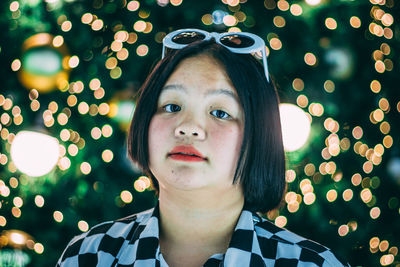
133, 241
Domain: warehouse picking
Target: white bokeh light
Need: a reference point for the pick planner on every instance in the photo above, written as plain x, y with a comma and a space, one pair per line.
295, 126
313, 2
33, 153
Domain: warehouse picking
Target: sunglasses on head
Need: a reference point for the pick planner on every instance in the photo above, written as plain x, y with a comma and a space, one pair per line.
236, 42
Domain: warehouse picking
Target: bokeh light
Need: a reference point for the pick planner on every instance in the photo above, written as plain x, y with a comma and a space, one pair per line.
34, 153
295, 126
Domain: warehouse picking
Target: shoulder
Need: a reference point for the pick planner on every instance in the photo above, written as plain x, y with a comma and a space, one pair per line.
103, 241
290, 249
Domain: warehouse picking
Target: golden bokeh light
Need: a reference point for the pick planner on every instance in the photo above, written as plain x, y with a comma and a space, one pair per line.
347, 194
39, 248
99, 93
16, 65
104, 108
357, 132
298, 84
107, 155
290, 176
378, 115
14, 6
179, 2
374, 213
132, 38
139, 26
283, 5
73, 150
275, 43
309, 169
343, 230
121, 36
83, 108
316, 109
309, 198
374, 242
85, 168
375, 86
66, 26
58, 216
279, 21
73, 62
383, 245
58, 41
293, 206
387, 141
387, 259
380, 66
280, 221
296, 10
115, 73
384, 104
388, 33
87, 18
95, 133
207, 19
18, 202
387, 19
368, 167
111, 63
16, 212
64, 163
310, 59
133, 5
3, 221
142, 50
39, 201
355, 22
140, 185
230, 20
366, 195
97, 25
329, 86
126, 196
13, 182
331, 23
107, 130
302, 101
331, 195
384, 127
123, 54
83, 226
116, 46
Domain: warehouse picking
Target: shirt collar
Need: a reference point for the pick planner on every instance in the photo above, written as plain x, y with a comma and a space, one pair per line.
243, 247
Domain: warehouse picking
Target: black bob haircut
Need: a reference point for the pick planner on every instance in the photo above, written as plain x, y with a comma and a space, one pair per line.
261, 164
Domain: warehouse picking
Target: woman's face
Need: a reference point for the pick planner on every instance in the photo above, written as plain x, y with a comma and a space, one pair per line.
198, 108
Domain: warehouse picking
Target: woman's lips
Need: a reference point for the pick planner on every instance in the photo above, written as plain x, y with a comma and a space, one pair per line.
186, 153
184, 157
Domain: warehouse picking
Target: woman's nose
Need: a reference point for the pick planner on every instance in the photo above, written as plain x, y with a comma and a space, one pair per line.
190, 129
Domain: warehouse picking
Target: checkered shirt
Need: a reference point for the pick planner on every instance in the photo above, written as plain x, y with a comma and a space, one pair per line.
134, 241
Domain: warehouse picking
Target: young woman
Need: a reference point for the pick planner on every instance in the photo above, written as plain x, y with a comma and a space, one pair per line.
206, 129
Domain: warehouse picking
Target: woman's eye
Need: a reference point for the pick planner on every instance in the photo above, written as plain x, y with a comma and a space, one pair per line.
172, 108
220, 114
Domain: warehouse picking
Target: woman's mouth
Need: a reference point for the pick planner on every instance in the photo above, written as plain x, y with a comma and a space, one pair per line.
186, 157
186, 153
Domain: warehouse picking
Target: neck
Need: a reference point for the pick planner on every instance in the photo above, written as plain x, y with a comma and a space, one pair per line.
199, 218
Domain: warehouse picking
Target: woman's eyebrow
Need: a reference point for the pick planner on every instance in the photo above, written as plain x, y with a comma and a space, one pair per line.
210, 92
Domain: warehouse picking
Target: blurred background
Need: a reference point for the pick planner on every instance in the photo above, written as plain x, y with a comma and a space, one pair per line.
69, 73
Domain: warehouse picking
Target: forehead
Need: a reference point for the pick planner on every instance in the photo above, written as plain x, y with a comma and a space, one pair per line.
201, 72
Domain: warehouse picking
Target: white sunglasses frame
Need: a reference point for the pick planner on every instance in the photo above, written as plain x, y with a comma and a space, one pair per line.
259, 44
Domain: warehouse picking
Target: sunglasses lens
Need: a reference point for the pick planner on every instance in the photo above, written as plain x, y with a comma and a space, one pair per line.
237, 41
188, 37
